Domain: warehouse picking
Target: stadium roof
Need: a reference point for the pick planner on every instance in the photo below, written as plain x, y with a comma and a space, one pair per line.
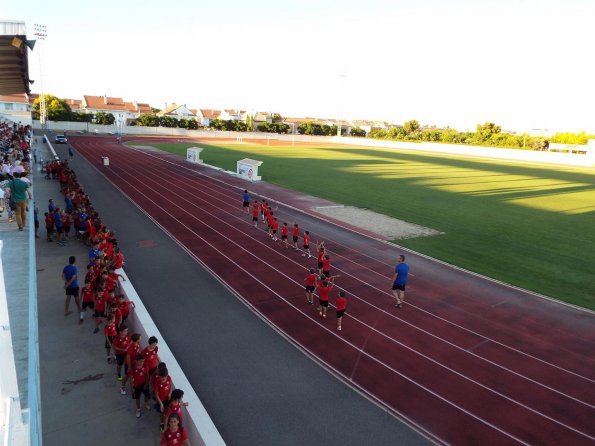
14, 62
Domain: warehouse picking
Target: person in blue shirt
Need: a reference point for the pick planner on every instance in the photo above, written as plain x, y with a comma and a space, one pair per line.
246, 201
59, 227
399, 281
69, 276
68, 203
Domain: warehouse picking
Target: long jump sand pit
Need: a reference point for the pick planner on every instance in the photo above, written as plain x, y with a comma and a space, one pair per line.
389, 227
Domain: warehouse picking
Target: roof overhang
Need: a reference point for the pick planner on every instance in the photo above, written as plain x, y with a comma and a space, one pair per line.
14, 64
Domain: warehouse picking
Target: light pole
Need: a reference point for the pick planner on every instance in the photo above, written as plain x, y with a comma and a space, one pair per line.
41, 34
341, 92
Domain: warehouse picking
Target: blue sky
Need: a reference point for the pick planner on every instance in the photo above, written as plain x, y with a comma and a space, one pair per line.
523, 64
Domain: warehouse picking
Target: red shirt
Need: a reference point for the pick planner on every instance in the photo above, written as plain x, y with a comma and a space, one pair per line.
326, 264
151, 357
119, 262
162, 388
174, 408
306, 240
341, 303
274, 225
311, 279
138, 375
118, 316
320, 255
284, 231
99, 302
87, 293
176, 438
124, 307
133, 350
323, 291
255, 210
295, 231
121, 344
110, 330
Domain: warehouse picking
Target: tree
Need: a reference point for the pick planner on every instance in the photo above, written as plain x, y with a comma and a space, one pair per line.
411, 126
192, 124
56, 109
357, 132
104, 118
485, 132
277, 117
148, 120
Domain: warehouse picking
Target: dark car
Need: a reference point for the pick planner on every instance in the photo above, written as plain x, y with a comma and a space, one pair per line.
61, 139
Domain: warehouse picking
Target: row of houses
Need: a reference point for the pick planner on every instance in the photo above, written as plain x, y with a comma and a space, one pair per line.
19, 107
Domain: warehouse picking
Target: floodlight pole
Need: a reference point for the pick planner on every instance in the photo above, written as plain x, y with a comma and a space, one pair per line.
41, 34
341, 92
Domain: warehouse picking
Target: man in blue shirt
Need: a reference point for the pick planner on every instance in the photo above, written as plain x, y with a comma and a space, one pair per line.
71, 285
399, 281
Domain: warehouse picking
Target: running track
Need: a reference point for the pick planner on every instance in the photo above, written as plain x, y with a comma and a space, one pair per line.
467, 361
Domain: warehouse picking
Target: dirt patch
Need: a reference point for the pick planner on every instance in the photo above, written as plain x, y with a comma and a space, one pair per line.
391, 228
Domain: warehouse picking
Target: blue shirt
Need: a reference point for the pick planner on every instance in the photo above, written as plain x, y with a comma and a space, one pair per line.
57, 220
69, 271
93, 253
246, 196
68, 202
402, 270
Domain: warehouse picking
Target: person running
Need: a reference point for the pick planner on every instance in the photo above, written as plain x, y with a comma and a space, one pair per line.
340, 305
306, 244
324, 288
255, 211
295, 232
246, 201
311, 281
71, 286
400, 278
284, 234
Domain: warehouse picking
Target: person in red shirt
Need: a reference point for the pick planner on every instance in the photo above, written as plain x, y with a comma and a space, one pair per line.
110, 333
307, 244
324, 288
175, 405
88, 299
295, 232
284, 234
49, 225
120, 345
274, 227
255, 210
326, 266
175, 435
320, 251
162, 389
66, 225
150, 352
340, 305
125, 306
99, 307
133, 351
270, 217
263, 210
311, 280
115, 311
139, 378
118, 258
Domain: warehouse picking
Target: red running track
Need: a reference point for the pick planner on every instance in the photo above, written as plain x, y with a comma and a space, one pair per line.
467, 361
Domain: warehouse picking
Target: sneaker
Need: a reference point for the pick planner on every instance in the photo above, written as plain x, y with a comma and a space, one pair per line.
122, 391
324, 316
339, 328
320, 313
109, 360
148, 407
96, 330
162, 427
119, 378
138, 414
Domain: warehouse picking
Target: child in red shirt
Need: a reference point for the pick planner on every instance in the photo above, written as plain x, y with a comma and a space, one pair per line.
162, 389
133, 351
284, 234
326, 266
295, 232
120, 345
324, 288
274, 227
255, 209
125, 306
320, 255
139, 375
310, 280
88, 299
340, 305
150, 352
175, 435
175, 405
307, 244
99, 308
110, 333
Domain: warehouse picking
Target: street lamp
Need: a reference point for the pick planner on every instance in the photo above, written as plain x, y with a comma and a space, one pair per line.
41, 34
341, 92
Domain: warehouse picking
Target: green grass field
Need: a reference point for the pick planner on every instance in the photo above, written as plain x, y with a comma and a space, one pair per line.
528, 225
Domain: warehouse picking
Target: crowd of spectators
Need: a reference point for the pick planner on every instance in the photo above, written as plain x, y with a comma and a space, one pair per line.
138, 366
15, 149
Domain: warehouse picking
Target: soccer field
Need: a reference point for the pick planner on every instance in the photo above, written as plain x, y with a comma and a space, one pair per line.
531, 226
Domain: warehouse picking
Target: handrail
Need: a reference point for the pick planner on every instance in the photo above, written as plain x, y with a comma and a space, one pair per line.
34, 394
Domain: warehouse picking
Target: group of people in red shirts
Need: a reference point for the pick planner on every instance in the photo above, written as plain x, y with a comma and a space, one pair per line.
319, 281
141, 367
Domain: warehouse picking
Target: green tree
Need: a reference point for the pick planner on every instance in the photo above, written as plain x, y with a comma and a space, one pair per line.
104, 118
484, 132
192, 124
56, 109
357, 132
411, 126
148, 120
277, 117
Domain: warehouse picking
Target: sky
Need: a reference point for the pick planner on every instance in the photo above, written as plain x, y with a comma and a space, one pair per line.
523, 64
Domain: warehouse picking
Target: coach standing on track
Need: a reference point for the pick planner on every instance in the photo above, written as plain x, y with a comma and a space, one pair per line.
399, 281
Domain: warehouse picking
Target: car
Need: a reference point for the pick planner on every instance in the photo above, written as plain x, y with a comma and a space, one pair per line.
61, 139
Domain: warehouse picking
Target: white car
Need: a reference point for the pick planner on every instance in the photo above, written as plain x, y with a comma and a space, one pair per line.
61, 139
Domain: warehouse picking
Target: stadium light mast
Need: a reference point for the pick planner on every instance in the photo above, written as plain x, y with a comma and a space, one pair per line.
340, 108
41, 34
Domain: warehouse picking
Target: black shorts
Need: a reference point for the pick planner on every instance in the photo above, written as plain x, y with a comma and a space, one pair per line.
165, 404
319, 265
340, 313
254, 218
36, 224
274, 231
306, 246
295, 239
60, 230
99, 313
283, 237
310, 288
109, 344
90, 305
245, 204
323, 303
120, 358
327, 273
398, 287
72, 291
138, 391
